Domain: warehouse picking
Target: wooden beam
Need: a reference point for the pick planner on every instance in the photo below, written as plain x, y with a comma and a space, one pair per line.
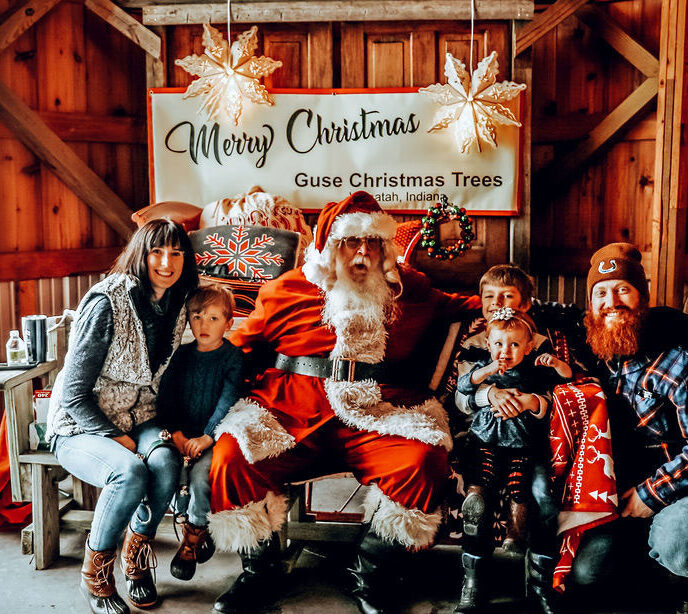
62, 160
669, 216
520, 227
577, 126
18, 20
561, 171
544, 22
331, 10
127, 25
88, 128
604, 26
16, 266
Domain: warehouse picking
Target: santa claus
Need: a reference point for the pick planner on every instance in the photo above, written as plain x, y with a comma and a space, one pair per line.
341, 394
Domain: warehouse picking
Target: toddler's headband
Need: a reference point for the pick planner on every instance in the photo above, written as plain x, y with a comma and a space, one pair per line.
507, 313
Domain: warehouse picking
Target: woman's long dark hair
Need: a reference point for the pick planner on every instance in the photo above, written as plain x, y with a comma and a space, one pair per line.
157, 233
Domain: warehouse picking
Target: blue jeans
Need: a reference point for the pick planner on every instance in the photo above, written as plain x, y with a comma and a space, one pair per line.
602, 548
198, 508
125, 480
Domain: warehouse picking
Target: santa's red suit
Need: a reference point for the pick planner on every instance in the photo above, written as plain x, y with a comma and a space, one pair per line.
291, 424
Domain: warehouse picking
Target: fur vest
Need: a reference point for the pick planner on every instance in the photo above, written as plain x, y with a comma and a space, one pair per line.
126, 387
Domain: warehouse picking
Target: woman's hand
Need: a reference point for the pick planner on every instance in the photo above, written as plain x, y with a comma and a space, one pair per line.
506, 402
126, 441
180, 440
197, 445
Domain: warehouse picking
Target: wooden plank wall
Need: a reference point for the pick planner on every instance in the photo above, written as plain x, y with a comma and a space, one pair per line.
577, 78
87, 82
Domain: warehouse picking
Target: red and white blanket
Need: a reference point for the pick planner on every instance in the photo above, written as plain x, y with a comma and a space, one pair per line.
581, 444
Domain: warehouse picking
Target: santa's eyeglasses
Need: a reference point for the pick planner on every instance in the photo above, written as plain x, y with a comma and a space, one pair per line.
373, 244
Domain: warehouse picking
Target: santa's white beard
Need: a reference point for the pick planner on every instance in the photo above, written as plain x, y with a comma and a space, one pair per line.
358, 311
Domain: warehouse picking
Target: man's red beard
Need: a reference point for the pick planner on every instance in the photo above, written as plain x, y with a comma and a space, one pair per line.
620, 339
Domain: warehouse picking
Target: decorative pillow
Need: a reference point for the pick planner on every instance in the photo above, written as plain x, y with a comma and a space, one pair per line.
186, 214
244, 257
258, 207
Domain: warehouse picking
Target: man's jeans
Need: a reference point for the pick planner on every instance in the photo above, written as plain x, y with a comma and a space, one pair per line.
602, 548
125, 480
198, 508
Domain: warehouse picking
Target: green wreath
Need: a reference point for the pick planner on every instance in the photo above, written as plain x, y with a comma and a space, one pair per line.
430, 231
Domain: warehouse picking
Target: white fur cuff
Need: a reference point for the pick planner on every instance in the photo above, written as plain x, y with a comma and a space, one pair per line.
358, 405
240, 529
257, 431
394, 523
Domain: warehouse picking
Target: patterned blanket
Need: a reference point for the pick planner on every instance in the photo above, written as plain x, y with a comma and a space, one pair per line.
581, 445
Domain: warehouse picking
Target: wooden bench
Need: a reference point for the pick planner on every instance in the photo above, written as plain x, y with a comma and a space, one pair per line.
34, 477
34, 474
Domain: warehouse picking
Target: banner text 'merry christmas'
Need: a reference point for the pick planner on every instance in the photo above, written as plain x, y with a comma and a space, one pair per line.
208, 143
303, 134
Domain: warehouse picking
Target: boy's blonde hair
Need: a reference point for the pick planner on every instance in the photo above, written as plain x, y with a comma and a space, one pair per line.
509, 275
512, 319
209, 295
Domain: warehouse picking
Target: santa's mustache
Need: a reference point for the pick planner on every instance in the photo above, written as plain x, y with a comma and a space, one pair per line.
615, 309
361, 260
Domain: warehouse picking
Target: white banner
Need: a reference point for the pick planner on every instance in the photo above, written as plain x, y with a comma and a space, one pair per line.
315, 148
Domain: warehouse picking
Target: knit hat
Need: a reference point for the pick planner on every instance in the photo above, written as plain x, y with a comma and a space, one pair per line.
618, 261
358, 215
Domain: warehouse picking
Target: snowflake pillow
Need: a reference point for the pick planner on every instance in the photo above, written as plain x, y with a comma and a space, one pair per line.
244, 257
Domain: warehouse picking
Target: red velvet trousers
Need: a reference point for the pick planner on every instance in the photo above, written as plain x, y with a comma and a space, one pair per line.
409, 472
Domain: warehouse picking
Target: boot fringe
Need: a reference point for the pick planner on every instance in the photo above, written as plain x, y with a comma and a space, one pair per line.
392, 521
240, 529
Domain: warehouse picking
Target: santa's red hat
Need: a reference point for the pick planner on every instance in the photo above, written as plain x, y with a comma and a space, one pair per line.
358, 215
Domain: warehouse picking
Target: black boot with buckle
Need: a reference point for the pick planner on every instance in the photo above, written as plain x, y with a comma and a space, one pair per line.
260, 583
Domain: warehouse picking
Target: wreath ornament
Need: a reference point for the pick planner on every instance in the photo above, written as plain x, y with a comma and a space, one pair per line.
438, 214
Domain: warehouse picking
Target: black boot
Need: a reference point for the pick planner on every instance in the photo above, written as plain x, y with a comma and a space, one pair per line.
259, 584
472, 593
370, 574
539, 571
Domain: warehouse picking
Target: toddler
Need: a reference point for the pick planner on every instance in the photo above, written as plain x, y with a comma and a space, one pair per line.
199, 387
503, 434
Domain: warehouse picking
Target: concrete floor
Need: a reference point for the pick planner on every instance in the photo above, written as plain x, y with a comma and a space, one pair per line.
431, 584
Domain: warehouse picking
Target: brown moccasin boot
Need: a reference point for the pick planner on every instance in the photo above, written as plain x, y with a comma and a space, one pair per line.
98, 583
138, 560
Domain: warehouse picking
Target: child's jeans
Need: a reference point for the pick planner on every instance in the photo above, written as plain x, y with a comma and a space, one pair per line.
199, 491
125, 480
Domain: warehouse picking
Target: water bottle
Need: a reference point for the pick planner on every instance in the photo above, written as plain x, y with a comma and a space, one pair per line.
16, 350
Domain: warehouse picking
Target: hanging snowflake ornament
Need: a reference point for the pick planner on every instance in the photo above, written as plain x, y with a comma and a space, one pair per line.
473, 103
228, 75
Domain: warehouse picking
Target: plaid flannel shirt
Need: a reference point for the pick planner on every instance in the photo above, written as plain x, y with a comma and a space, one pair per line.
656, 387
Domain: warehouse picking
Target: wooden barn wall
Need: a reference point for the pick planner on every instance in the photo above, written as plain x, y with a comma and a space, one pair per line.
577, 79
88, 83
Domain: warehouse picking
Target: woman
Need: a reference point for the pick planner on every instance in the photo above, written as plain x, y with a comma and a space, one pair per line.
102, 425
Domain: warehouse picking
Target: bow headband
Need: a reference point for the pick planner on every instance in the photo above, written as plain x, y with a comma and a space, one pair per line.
507, 313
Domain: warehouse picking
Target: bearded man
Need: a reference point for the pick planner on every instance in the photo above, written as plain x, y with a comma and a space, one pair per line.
644, 360
341, 395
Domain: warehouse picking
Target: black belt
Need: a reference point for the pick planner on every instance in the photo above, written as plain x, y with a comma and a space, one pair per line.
338, 370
